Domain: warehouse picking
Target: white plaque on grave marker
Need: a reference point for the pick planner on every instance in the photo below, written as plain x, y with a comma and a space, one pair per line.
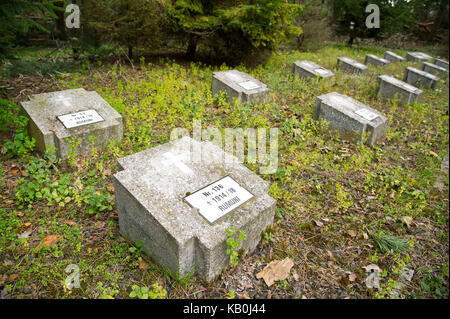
219, 198
367, 114
80, 118
321, 71
249, 85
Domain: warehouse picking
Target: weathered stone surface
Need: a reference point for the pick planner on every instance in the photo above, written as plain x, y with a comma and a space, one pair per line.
375, 60
393, 57
420, 78
441, 63
239, 85
350, 65
308, 70
149, 192
351, 118
390, 88
434, 69
49, 131
417, 56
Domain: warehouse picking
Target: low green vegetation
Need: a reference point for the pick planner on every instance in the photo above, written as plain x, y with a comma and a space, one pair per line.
329, 192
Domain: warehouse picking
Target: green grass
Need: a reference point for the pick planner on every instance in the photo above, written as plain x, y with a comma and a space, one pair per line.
349, 187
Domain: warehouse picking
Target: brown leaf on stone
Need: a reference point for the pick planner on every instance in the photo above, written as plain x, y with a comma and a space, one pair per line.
49, 240
276, 270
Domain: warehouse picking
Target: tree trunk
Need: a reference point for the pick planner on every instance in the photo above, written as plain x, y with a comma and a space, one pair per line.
192, 46
439, 15
60, 21
350, 40
130, 52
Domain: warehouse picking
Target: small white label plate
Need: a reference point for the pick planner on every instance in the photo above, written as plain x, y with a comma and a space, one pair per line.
80, 118
367, 114
218, 199
249, 85
321, 71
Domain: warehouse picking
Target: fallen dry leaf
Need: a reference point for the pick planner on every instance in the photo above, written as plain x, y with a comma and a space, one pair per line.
330, 254
407, 220
433, 154
107, 172
99, 224
142, 264
276, 270
344, 281
13, 277
365, 235
110, 187
351, 233
295, 275
318, 223
25, 225
352, 277
49, 240
69, 222
14, 171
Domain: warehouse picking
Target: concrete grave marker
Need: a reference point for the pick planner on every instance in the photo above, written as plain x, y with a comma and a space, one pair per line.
375, 60
417, 56
308, 70
434, 69
441, 63
390, 88
239, 85
351, 118
57, 117
352, 66
180, 208
393, 57
420, 78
